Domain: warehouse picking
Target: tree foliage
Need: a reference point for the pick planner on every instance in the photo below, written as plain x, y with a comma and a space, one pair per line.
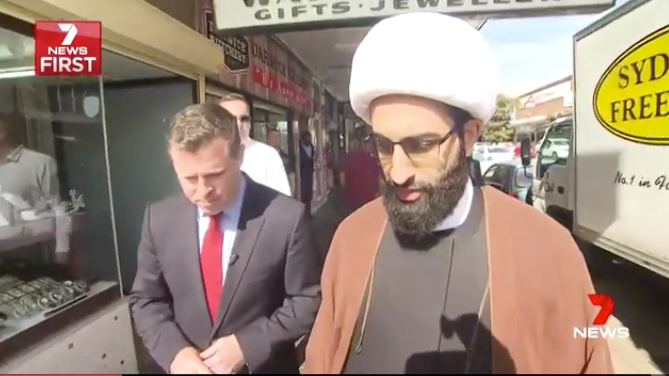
499, 127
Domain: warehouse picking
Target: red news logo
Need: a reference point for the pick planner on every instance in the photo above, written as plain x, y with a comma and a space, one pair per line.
68, 48
599, 328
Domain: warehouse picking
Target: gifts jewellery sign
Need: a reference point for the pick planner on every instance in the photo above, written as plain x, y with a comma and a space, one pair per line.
236, 16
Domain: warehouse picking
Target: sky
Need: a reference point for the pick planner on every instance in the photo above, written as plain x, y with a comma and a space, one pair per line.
532, 52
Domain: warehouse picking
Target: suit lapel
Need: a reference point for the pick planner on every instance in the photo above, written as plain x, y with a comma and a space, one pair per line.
187, 249
251, 220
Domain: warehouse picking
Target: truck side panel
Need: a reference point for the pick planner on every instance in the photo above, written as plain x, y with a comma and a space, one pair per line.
622, 163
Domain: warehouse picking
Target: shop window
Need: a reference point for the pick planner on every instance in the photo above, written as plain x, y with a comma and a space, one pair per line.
73, 183
56, 233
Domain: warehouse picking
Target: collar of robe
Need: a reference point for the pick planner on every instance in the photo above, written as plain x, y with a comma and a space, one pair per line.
460, 212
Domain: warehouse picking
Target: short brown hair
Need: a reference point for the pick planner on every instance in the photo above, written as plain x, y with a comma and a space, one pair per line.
234, 97
198, 124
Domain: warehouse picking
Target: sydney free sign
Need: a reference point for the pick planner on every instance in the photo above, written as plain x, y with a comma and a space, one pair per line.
235, 16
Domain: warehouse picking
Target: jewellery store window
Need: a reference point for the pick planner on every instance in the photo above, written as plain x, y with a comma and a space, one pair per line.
56, 235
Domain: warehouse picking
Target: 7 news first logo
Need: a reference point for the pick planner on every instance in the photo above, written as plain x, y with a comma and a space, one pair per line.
599, 329
68, 48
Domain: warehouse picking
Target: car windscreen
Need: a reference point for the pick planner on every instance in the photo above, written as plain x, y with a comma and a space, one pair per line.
500, 150
523, 177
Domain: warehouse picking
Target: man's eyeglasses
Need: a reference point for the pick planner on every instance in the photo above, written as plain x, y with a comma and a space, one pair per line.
414, 147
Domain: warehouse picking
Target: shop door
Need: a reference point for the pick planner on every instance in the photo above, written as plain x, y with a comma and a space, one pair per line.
138, 117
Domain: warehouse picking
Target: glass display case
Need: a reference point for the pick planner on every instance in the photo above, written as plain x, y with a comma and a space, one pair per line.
57, 245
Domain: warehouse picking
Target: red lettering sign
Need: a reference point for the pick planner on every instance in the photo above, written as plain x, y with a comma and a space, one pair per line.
284, 88
68, 48
605, 302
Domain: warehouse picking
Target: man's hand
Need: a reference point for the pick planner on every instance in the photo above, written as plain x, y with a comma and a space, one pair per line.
224, 356
188, 362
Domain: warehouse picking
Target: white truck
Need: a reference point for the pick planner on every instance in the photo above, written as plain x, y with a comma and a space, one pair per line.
613, 188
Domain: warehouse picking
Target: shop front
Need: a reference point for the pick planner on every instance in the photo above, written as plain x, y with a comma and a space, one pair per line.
285, 98
80, 158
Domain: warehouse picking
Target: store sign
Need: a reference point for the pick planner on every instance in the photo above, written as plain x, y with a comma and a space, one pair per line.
235, 49
562, 90
275, 74
68, 48
238, 15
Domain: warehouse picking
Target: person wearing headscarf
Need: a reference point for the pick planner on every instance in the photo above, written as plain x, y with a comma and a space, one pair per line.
440, 275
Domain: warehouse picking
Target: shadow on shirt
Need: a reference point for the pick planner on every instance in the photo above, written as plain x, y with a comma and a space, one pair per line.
482, 348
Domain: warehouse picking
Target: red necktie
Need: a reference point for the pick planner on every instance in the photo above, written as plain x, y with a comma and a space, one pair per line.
211, 265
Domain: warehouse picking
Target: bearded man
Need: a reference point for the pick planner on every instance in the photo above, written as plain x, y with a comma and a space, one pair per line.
440, 276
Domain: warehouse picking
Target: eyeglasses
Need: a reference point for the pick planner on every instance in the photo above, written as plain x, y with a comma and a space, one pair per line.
415, 147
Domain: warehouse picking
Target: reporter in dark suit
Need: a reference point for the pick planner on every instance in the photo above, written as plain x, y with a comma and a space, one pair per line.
228, 271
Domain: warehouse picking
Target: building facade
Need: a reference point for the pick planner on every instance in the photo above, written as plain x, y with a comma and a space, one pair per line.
284, 94
546, 101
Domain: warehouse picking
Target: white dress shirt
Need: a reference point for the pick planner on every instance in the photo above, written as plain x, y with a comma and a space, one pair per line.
228, 225
263, 164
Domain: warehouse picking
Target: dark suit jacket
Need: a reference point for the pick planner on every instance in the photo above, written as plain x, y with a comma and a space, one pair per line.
271, 291
306, 173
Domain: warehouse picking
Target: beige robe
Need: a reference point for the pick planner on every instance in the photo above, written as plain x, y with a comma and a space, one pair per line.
539, 287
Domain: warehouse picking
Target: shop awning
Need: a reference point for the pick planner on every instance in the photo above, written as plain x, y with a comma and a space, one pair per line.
131, 27
329, 53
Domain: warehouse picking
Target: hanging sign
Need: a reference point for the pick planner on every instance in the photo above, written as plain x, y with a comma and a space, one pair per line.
257, 15
235, 48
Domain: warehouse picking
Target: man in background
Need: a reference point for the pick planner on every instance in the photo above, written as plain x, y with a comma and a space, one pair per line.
261, 162
307, 157
29, 193
360, 175
28, 179
274, 140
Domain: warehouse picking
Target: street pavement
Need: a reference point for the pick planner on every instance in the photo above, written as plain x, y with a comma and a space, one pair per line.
641, 305
326, 219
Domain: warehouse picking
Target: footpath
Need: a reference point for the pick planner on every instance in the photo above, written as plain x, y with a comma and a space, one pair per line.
326, 219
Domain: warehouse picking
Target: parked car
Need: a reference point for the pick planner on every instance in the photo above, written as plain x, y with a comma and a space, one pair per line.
555, 148
510, 177
487, 154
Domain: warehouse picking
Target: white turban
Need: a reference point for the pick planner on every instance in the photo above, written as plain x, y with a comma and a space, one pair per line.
428, 55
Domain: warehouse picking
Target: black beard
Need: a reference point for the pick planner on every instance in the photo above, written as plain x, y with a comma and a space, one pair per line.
419, 218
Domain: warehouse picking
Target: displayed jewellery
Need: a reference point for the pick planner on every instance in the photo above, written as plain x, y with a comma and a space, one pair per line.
47, 281
80, 287
15, 293
18, 310
67, 290
26, 288
44, 303
56, 298
23, 299
35, 284
4, 298
29, 305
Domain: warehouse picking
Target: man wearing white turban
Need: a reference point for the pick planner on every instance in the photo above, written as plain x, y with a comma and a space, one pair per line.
438, 275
